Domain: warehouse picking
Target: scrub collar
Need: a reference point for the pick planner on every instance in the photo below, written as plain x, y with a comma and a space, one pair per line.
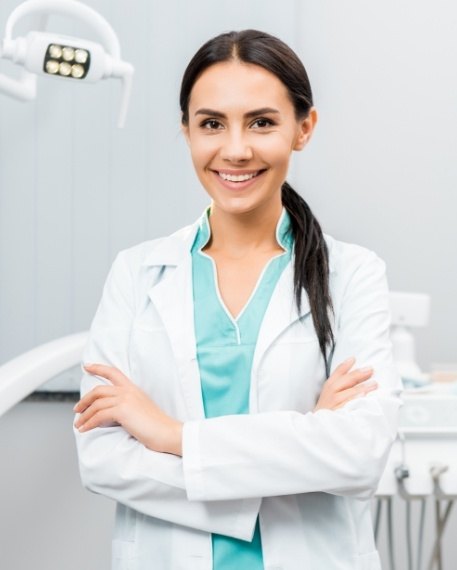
284, 235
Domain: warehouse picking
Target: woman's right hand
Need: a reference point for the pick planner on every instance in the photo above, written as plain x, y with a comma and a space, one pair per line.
345, 385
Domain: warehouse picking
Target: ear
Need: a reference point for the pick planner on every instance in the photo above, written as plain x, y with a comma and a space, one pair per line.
305, 129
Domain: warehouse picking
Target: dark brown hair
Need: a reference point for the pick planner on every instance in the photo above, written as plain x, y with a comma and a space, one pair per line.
311, 267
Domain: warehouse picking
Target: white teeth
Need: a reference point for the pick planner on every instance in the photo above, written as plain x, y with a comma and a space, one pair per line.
239, 178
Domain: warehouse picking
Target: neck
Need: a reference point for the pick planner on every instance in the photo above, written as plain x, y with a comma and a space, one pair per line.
240, 234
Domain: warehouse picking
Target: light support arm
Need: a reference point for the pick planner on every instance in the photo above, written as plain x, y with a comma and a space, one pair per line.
71, 8
23, 88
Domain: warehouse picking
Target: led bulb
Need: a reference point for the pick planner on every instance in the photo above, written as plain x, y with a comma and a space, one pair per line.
55, 51
77, 71
64, 69
81, 56
68, 53
52, 66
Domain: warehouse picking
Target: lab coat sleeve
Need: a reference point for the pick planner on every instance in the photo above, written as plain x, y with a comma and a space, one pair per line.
342, 452
118, 466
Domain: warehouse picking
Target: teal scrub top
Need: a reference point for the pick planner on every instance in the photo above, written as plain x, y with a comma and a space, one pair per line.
225, 350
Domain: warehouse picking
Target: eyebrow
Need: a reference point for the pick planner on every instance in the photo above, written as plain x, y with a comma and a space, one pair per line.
249, 114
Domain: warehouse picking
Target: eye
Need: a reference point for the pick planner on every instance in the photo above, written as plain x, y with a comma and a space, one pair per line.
211, 124
263, 123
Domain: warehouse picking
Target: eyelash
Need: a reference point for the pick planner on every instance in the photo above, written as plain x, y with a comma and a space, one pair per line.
207, 122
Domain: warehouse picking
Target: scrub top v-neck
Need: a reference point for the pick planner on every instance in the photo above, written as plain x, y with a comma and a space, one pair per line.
225, 350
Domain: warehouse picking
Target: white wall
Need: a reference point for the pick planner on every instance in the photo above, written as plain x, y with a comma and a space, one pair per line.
382, 169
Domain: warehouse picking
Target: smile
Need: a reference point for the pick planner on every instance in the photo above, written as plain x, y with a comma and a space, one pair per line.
241, 177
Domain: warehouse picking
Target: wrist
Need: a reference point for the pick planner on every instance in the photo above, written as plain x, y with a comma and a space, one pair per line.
176, 440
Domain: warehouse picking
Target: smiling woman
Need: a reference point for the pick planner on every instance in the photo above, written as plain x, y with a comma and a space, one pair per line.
239, 144
221, 407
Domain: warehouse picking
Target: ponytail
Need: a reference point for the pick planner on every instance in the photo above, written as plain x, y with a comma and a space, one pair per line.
311, 267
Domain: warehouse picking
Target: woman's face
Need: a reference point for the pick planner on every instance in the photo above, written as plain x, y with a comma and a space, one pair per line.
241, 132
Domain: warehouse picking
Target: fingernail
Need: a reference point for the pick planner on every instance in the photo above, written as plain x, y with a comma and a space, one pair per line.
366, 369
349, 360
88, 364
370, 383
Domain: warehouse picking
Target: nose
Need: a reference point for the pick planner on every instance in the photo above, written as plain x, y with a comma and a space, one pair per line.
236, 147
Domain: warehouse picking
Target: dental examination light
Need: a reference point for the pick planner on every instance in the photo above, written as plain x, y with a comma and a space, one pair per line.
63, 57
408, 310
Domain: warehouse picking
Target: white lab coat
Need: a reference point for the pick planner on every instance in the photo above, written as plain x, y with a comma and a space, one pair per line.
308, 475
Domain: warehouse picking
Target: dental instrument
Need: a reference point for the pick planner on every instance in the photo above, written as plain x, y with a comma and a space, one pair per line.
422, 465
60, 56
441, 520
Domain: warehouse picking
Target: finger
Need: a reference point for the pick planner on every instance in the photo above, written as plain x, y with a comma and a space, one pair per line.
353, 378
114, 375
357, 392
341, 369
100, 404
105, 416
92, 395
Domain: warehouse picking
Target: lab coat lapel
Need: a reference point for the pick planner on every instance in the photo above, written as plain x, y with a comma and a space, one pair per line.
282, 309
173, 299
280, 314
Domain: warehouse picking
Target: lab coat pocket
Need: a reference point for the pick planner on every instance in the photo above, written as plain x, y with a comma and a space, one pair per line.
123, 555
369, 561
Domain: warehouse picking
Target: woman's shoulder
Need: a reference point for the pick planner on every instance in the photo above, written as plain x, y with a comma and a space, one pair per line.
358, 279
346, 258
165, 250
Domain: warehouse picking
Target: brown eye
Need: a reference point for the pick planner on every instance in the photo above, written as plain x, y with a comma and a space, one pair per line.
262, 123
211, 124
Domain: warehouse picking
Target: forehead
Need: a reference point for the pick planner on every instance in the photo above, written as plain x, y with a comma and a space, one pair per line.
237, 84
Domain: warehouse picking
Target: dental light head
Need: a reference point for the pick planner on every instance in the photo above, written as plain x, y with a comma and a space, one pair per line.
63, 57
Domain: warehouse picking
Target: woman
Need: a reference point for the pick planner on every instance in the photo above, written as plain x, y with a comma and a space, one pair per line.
221, 406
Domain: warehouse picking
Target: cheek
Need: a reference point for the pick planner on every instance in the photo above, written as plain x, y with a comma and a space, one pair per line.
275, 149
202, 151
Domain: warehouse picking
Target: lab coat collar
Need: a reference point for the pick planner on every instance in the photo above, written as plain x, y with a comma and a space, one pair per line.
172, 249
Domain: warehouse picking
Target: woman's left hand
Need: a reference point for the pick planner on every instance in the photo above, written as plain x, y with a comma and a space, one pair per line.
125, 404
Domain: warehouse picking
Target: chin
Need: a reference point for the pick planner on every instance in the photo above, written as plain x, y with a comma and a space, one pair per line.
235, 205
240, 206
